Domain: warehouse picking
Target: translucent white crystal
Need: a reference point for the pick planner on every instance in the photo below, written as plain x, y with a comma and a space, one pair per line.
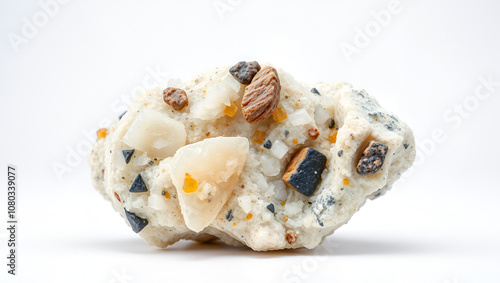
270, 165
299, 117
216, 165
155, 133
279, 149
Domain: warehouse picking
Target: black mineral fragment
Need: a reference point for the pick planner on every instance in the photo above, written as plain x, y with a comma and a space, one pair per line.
138, 186
121, 115
331, 124
270, 207
315, 91
127, 154
229, 215
268, 144
137, 223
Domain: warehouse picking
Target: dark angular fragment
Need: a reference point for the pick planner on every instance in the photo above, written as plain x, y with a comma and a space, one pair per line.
287, 132
339, 153
136, 222
244, 72
120, 117
331, 124
229, 215
268, 144
127, 154
271, 208
406, 145
372, 159
315, 91
304, 170
138, 186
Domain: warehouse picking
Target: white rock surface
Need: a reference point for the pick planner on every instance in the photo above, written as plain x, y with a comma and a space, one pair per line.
234, 187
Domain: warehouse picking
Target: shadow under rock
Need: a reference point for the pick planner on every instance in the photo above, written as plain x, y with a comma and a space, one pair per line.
125, 245
331, 247
367, 246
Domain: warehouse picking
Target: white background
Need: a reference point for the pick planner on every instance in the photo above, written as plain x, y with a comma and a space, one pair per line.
75, 68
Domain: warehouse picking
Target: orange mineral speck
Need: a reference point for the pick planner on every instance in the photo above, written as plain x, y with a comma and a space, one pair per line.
101, 133
332, 136
231, 109
283, 203
286, 218
190, 184
261, 150
296, 104
259, 137
165, 194
204, 91
249, 216
234, 223
280, 114
295, 141
346, 182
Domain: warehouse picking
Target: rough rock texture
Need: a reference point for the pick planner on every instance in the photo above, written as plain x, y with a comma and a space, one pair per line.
260, 210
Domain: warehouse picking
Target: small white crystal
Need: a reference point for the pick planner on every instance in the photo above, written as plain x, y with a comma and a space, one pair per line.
261, 182
279, 149
299, 117
279, 190
245, 203
141, 160
320, 115
270, 165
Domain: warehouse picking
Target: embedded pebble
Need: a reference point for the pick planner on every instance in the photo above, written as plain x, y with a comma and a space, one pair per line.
304, 171
244, 72
372, 159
